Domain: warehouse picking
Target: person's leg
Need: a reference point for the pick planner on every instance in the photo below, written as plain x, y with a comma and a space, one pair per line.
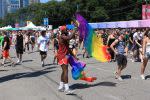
55, 56
20, 58
119, 68
28, 47
140, 54
61, 84
64, 76
3, 62
143, 66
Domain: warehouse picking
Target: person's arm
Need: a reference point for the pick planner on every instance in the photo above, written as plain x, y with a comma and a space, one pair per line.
68, 37
130, 40
108, 39
137, 43
112, 46
5, 44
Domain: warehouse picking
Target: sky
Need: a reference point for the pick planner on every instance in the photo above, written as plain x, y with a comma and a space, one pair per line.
44, 1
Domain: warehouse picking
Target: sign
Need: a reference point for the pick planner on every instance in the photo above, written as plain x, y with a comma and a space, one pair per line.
45, 21
146, 11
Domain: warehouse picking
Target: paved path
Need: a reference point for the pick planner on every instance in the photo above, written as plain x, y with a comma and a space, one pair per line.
30, 81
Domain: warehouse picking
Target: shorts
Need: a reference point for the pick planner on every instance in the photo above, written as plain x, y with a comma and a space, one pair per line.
19, 50
56, 47
121, 60
43, 53
5, 53
147, 55
63, 61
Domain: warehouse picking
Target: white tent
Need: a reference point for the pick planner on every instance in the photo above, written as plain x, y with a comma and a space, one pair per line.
6, 27
30, 26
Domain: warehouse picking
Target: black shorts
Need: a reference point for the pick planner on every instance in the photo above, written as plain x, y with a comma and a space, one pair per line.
19, 50
121, 60
56, 46
43, 53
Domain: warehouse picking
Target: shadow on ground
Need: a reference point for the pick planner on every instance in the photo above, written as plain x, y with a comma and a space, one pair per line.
147, 77
27, 60
83, 86
27, 74
126, 76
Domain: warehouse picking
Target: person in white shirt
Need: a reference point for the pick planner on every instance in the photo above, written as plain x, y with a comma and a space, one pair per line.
43, 42
137, 47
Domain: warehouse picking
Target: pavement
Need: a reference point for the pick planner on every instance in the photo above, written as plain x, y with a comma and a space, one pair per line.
30, 81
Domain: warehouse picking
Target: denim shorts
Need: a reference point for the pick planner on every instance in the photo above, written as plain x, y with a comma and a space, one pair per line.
147, 55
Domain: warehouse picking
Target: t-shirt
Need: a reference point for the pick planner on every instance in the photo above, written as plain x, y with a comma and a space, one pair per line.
43, 41
1, 40
120, 46
19, 42
6, 39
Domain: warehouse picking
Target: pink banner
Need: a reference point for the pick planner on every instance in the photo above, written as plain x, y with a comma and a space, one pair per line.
146, 11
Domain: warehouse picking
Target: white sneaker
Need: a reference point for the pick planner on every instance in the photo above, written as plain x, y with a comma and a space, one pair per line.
119, 78
61, 89
18, 61
69, 92
143, 77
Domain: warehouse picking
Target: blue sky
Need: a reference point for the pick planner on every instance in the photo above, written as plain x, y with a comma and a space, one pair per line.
44, 1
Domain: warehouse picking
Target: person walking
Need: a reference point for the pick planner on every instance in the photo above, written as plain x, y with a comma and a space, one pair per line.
19, 46
43, 42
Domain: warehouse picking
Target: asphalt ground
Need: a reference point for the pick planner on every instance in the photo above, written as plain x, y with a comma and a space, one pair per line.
31, 81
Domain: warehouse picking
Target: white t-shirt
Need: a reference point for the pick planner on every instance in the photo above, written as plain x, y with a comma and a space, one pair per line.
137, 36
48, 35
43, 41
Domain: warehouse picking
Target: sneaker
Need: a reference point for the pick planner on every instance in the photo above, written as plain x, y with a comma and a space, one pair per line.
61, 89
143, 77
18, 61
69, 92
120, 78
42, 63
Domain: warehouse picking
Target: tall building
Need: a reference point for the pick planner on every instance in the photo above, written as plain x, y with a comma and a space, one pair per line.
13, 5
3, 8
24, 3
34, 1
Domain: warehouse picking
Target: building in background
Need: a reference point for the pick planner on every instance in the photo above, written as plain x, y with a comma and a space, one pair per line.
33, 1
24, 3
3, 8
13, 5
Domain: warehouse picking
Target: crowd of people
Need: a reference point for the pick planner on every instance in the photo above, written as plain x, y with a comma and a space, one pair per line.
120, 42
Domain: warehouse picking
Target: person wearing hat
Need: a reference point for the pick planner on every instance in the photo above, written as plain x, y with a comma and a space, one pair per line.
145, 52
63, 51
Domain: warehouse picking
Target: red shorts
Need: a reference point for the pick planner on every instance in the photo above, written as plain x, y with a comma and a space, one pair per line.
63, 61
5, 53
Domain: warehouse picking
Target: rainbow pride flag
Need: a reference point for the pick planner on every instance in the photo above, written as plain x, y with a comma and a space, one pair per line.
78, 70
92, 42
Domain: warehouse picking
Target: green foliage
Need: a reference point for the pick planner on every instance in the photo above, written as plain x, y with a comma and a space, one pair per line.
60, 13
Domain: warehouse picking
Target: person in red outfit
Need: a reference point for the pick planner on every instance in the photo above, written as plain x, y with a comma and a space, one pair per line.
63, 51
